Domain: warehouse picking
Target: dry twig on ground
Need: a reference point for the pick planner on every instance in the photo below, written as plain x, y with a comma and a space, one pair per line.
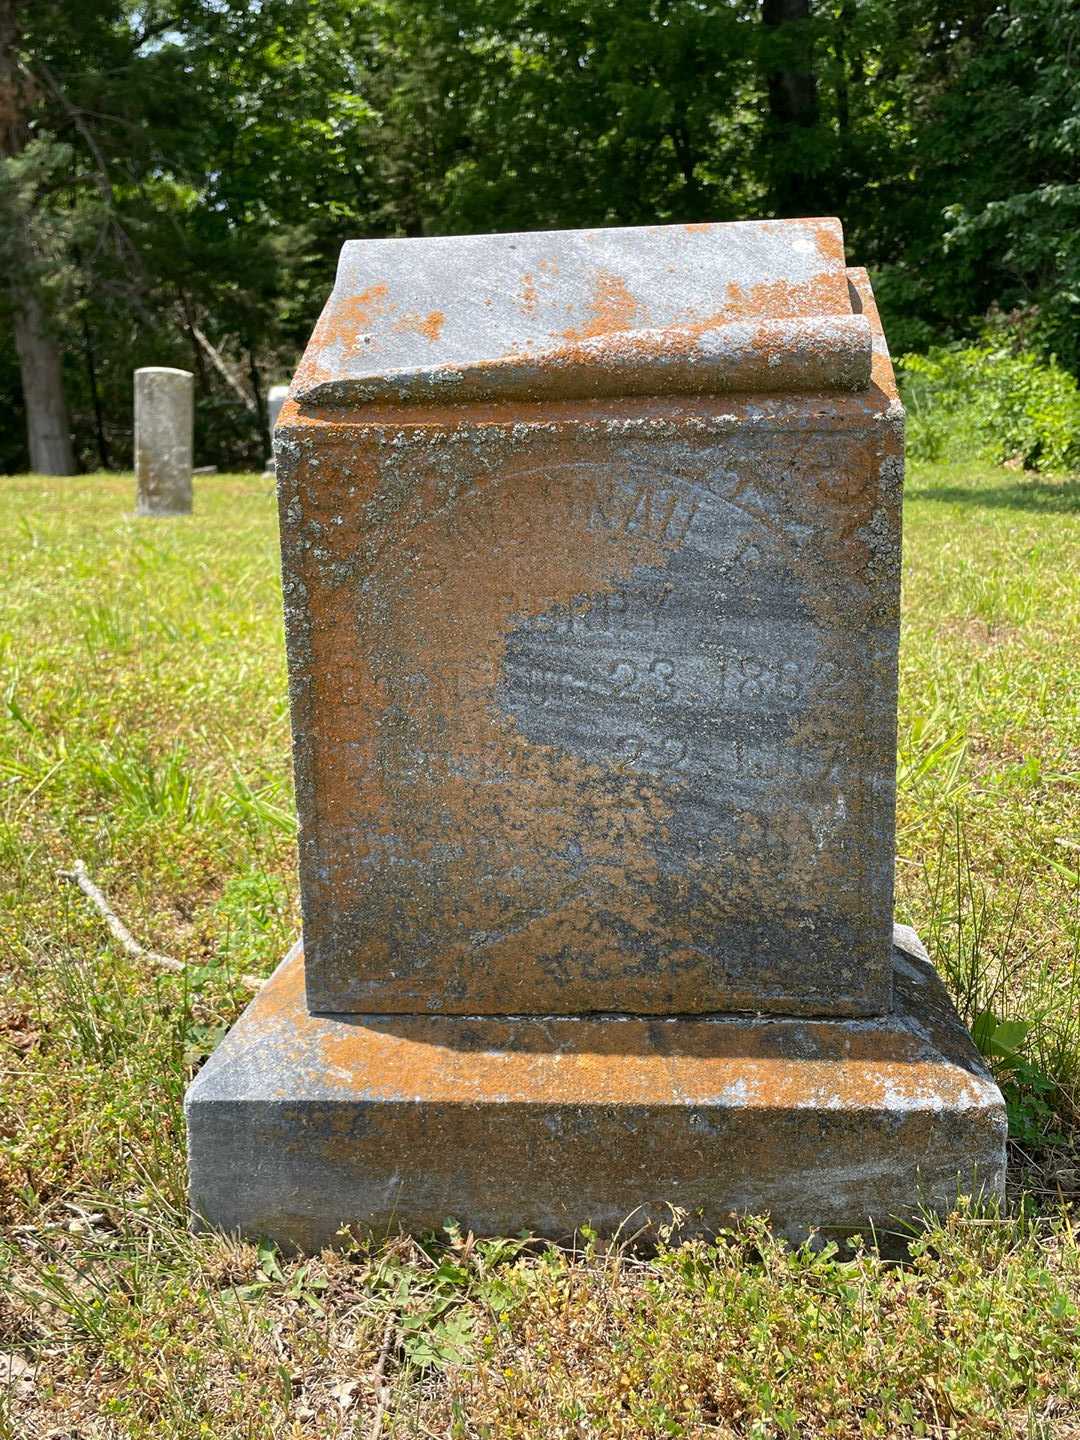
123, 936
382, 1388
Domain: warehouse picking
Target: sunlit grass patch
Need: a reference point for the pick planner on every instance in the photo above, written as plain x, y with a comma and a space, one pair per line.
144, 729
989, 755
158, 1334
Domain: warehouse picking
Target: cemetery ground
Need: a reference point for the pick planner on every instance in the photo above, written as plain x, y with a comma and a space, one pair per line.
144, 730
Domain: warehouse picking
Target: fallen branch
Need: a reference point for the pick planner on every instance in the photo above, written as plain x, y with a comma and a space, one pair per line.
123, 936
219, 364
382, 1389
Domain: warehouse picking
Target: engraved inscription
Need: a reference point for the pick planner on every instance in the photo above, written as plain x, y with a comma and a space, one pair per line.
588, 730
709, 674
638, 507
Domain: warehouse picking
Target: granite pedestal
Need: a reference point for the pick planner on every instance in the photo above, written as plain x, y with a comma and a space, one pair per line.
301, 1124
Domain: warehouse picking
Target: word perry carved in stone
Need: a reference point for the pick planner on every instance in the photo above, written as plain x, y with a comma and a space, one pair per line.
588, 614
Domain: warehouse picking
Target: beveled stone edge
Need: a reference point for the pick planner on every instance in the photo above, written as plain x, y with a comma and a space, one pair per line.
921, 1009
293, 1165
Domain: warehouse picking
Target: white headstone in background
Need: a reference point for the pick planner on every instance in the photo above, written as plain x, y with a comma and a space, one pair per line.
275, 399
164, 428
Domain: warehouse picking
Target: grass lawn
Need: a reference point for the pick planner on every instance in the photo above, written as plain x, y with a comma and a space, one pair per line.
143, 729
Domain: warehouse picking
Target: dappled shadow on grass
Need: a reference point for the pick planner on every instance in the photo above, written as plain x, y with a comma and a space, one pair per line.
1048, 496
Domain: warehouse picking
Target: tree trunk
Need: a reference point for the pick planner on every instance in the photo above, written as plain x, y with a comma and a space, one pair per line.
95, 394
848, 78
47, 429
792, 90
682, 144
793, 105
840, 48
262, 419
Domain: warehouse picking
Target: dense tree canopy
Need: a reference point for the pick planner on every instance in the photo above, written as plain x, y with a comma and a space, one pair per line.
176, 176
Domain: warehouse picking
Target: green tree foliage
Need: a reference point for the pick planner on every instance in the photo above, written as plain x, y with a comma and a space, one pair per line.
188, 169
992, 402
986, 217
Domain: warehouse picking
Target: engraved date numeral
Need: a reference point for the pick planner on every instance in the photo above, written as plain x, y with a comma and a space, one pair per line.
641, 682
652, 753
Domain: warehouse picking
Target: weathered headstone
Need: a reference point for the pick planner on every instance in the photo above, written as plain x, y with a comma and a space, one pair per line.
164, 421
590, 552
275, 399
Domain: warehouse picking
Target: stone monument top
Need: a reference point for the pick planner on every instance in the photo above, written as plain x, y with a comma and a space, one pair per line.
711, 307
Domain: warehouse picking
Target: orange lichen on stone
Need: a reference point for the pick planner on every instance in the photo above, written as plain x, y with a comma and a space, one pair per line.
882, 376
539, 853
612, 308
539, 803
826, 232
342, 323
829, 238
429, 325
779, 299
301, 1123
593, 702
735, 1063
357, 312
521, 789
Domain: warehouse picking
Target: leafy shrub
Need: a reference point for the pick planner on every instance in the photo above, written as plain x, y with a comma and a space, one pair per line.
984, 402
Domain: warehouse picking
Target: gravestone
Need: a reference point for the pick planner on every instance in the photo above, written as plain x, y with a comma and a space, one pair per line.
164, 428
275, 399
590, 556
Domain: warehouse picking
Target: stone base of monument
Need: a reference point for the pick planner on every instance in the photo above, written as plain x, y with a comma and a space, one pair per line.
301, 1124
